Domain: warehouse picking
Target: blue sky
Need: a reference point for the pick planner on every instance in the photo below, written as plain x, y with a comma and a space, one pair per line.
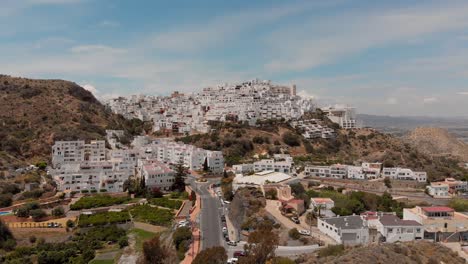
384, 57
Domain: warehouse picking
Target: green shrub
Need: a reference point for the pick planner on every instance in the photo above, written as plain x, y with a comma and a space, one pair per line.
99, 200
152, 215
291, 139
294, 234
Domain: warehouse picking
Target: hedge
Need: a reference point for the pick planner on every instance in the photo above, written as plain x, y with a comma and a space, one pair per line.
104, 218
97, 201
165, 202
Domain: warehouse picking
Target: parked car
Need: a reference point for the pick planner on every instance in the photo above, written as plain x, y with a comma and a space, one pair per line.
239, 254
232, 243
232, 260
304, 232
295, 220
227, 202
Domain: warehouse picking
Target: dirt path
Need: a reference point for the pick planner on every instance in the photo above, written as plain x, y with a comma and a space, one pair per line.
129, 255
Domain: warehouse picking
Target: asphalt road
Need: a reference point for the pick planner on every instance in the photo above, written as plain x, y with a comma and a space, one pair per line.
210, 216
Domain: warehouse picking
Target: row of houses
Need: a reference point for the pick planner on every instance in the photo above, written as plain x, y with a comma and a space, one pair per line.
313, 128
78, 166
366, 171
279, 163
435, 223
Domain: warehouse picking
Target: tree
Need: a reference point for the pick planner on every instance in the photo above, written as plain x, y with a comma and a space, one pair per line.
271, 194
181, 234
261, 245
123, 242
22, 212
70, 223
193, 196
294, 234
6, 237
58, 211
32, 239
179, 178
37, 214
387, 182
213, 255
297, 189
205, 165
291, 139
154, 252
5, 200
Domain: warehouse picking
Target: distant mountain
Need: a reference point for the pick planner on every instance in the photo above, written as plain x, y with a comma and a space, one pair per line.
400, 125
437, 141
35, 113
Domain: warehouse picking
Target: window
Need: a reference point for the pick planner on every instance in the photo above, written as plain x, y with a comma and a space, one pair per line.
390, 230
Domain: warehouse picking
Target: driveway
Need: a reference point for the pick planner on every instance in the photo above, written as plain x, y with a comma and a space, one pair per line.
272, 206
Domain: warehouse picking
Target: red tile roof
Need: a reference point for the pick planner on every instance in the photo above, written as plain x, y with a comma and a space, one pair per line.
433, 209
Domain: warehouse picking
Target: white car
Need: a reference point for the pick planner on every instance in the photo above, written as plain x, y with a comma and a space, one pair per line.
183, 222
304, 232
232, 260
227, 202
232, 243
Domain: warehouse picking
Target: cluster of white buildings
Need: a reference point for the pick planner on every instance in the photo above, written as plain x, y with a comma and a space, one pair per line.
279, 163
313, 128
248, 101
366, 171
79, 166
447, 188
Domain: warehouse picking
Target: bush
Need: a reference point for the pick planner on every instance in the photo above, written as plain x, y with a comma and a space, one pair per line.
257, 140
123, 242
70, 223
84, 191
32, 239
294, 234
99, 200
213, 255
5, 200
291, 139
37, 214
58, 211
152, 215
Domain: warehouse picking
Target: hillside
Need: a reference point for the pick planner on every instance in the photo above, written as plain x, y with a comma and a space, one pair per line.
241, 143
438, 141
35, 113
410, 252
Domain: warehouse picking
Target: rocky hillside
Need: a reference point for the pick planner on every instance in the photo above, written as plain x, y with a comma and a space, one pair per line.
241, 143
411, 252
35, 113
438, 141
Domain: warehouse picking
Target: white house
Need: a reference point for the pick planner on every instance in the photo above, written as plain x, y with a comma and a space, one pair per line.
342, 115
258, 179
394, 229
347, 230
78, 151
404, 174
438, 189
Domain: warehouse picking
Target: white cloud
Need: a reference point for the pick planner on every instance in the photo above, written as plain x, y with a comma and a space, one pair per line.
306, 94
109, 23
327, 40
96, 48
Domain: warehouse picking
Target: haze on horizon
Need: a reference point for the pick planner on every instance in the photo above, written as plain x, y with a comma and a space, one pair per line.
398, 58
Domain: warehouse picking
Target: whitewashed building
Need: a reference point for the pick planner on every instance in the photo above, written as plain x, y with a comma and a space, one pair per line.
347, 230
404, 174
78, 151
394, 229
156, 174
342, 115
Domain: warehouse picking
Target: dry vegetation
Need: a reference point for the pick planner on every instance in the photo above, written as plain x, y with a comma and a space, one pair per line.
411, 252
34, 113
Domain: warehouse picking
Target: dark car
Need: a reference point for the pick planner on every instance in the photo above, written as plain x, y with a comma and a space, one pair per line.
295, 220
239, 254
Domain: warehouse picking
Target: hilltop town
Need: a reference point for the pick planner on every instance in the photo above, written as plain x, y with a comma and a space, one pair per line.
248, 172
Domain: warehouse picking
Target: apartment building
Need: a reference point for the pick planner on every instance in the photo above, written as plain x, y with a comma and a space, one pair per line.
313, 128
439, 222
168, 151
342, 115
404, 174
156, 174
279, 163
364, 172
78, 151
92, 175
